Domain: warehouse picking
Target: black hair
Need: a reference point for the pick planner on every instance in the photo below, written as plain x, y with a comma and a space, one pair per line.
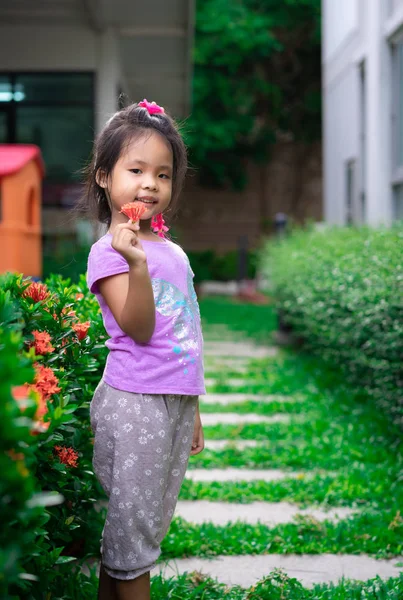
128, 124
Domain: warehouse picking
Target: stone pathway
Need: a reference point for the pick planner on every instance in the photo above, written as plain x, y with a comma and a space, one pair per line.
239, 444
270, 513
236, 419
307, 568
247, 570
232, 474
231, 349
224, 399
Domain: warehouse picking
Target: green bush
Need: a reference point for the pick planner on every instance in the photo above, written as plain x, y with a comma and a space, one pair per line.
341, 290
210, 266
48, 489
66, 257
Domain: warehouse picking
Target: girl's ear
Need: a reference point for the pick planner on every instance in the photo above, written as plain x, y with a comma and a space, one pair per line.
101, 178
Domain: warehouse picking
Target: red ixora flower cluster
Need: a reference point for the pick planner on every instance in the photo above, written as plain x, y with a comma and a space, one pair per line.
45, 384
133, 210
42, 342
81, 329
45, 381
67, 456
37, 291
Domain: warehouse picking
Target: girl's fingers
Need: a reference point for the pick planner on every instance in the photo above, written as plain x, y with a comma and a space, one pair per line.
197, 444
129, 225
125, 237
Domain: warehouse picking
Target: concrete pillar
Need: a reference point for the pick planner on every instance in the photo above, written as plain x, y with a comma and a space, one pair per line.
108, 78
378, 194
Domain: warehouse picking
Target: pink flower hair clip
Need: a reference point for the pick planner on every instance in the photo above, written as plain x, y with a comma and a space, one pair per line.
152, 107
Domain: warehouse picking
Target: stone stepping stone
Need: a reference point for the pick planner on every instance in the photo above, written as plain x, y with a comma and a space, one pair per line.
269, 513
225, 367
309, 569
235, 398
232, 474
239, 444
236, 419
244, 349
235, 362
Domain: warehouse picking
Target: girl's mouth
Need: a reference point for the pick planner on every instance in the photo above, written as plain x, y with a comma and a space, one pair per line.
146, 200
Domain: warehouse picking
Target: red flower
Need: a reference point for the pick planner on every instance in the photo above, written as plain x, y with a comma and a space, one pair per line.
42, 342
21, 393
37, 291
67, 456
15, 455
45, 381
81, 329
79, 296
133, 210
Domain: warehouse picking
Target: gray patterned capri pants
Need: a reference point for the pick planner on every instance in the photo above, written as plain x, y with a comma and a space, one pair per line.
141, 451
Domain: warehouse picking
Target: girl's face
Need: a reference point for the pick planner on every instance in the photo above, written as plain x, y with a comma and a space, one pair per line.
143, 173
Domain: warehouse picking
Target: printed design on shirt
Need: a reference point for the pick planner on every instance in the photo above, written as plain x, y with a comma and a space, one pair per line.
170, 301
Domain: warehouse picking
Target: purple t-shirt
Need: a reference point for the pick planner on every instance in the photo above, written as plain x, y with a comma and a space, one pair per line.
172, 361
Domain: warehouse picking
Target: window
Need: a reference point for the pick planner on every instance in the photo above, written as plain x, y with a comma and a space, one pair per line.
398, 201
397, 126
56, 112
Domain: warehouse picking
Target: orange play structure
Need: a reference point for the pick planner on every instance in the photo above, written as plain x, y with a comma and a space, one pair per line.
21, 174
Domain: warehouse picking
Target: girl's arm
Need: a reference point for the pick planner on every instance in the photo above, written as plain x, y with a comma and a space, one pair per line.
130, 295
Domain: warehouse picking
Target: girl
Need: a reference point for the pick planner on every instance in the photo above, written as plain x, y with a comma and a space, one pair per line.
144, 413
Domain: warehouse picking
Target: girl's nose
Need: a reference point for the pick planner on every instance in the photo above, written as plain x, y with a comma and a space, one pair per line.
149, 183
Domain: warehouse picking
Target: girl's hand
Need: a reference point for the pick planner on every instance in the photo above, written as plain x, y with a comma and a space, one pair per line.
126, 241
198, 436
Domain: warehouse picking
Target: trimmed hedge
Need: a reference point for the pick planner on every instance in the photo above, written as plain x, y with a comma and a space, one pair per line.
341, 291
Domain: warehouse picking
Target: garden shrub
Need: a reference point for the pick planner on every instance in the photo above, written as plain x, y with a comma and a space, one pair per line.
51, 357
341, 290
210, 266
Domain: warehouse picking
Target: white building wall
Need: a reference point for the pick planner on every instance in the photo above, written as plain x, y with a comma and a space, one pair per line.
342, 141
45, 48
73, 48
340, 18
357, 32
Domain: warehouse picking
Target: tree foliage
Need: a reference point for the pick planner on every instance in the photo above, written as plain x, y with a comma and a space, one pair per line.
257, 74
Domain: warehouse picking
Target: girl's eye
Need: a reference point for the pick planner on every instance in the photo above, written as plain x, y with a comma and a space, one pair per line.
135, 171
163, 175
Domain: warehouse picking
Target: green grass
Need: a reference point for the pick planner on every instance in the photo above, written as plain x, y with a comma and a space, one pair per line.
276, 586
311, 444
355, 486
377, 533
348, 452
257, 407
252, 321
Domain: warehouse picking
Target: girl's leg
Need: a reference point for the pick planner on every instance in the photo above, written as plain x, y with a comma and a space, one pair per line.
182, 438
134, 589
107, 586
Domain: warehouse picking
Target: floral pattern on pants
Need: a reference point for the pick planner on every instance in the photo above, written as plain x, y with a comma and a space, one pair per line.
141, 451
